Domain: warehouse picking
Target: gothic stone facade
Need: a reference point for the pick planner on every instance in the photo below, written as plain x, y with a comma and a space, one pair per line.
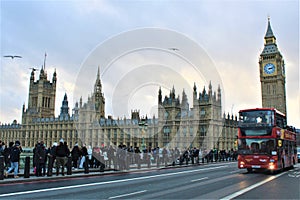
176, 126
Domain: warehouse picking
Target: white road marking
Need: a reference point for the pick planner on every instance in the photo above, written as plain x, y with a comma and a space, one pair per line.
200, 179
252, 187
129, 194
107, 182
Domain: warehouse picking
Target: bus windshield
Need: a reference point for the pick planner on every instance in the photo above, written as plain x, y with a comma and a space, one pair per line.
256, 146
256, 118
256, 131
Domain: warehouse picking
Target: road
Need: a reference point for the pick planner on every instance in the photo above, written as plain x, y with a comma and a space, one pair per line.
214, 181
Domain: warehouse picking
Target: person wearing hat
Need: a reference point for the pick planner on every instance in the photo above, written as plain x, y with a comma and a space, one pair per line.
15, 159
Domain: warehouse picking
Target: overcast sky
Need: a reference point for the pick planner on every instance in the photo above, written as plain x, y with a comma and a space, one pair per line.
221, 40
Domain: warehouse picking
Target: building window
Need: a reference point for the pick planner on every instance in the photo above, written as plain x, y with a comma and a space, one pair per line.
268, 89
202, 112
274, 89
191, 131
166, 130
202, 131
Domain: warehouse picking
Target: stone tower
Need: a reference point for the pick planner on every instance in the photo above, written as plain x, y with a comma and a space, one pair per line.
98, 97
181, 126
41, 98
272, 73
94, 108
64, 109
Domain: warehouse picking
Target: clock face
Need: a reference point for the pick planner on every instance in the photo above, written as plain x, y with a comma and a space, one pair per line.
269, 68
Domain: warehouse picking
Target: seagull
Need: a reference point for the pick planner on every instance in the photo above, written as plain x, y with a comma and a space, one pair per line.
174, 49
12, 57
33, 69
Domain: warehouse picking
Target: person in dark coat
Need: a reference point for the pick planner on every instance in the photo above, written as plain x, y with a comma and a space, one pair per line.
61, 153
6, 152
15, 159
75, 153
40, 159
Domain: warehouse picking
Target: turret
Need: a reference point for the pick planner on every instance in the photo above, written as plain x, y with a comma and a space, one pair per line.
159, 96
54, 78
64, 110
210, 89
219, 93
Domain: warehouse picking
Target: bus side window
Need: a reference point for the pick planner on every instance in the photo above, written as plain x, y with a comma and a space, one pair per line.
290, 147
286, 147
284, 124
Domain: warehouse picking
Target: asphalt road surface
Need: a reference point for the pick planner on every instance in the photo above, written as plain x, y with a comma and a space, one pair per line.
214, 181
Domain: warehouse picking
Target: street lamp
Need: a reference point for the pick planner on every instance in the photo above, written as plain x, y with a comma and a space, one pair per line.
143, 126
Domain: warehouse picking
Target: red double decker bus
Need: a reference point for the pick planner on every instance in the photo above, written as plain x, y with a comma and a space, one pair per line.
265, 141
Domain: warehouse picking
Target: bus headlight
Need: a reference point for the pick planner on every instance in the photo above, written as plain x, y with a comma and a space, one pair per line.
242, 164
271, 166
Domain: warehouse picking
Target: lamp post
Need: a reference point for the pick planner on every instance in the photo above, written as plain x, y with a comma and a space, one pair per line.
143, 126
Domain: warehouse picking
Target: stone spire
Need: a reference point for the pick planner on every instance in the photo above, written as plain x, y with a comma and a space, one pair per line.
64, 110
269, 32
270, 41
159, 96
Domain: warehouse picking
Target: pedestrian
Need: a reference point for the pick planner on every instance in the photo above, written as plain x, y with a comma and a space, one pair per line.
186, 156
196, 154
84, 153
75, 154
15, 159
40, 159
34, 157
96, 156
165, 156
61, 153
90, 156
111, 156
2, 146
7, 151
52, 157
137, 157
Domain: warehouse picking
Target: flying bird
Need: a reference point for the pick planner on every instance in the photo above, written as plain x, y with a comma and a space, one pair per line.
12, 57
174, 49
33, 69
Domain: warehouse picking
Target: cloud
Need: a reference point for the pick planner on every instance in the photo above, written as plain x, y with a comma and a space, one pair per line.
102, 7
229, 32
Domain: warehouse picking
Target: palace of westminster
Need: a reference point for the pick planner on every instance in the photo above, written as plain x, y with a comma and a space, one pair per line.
177, 125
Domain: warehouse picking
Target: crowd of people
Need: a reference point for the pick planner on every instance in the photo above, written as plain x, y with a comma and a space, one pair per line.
119, 158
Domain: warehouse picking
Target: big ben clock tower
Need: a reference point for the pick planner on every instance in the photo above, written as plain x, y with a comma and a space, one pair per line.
272, 74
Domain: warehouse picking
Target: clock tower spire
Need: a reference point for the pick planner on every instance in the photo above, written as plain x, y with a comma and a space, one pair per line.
272, 73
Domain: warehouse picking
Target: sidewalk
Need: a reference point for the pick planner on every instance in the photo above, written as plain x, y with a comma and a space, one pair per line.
92, 172
75, 173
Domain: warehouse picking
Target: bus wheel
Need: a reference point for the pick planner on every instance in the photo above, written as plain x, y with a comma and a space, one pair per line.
249, 170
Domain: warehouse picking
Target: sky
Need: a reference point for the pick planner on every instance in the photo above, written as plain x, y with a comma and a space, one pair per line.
140, 46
